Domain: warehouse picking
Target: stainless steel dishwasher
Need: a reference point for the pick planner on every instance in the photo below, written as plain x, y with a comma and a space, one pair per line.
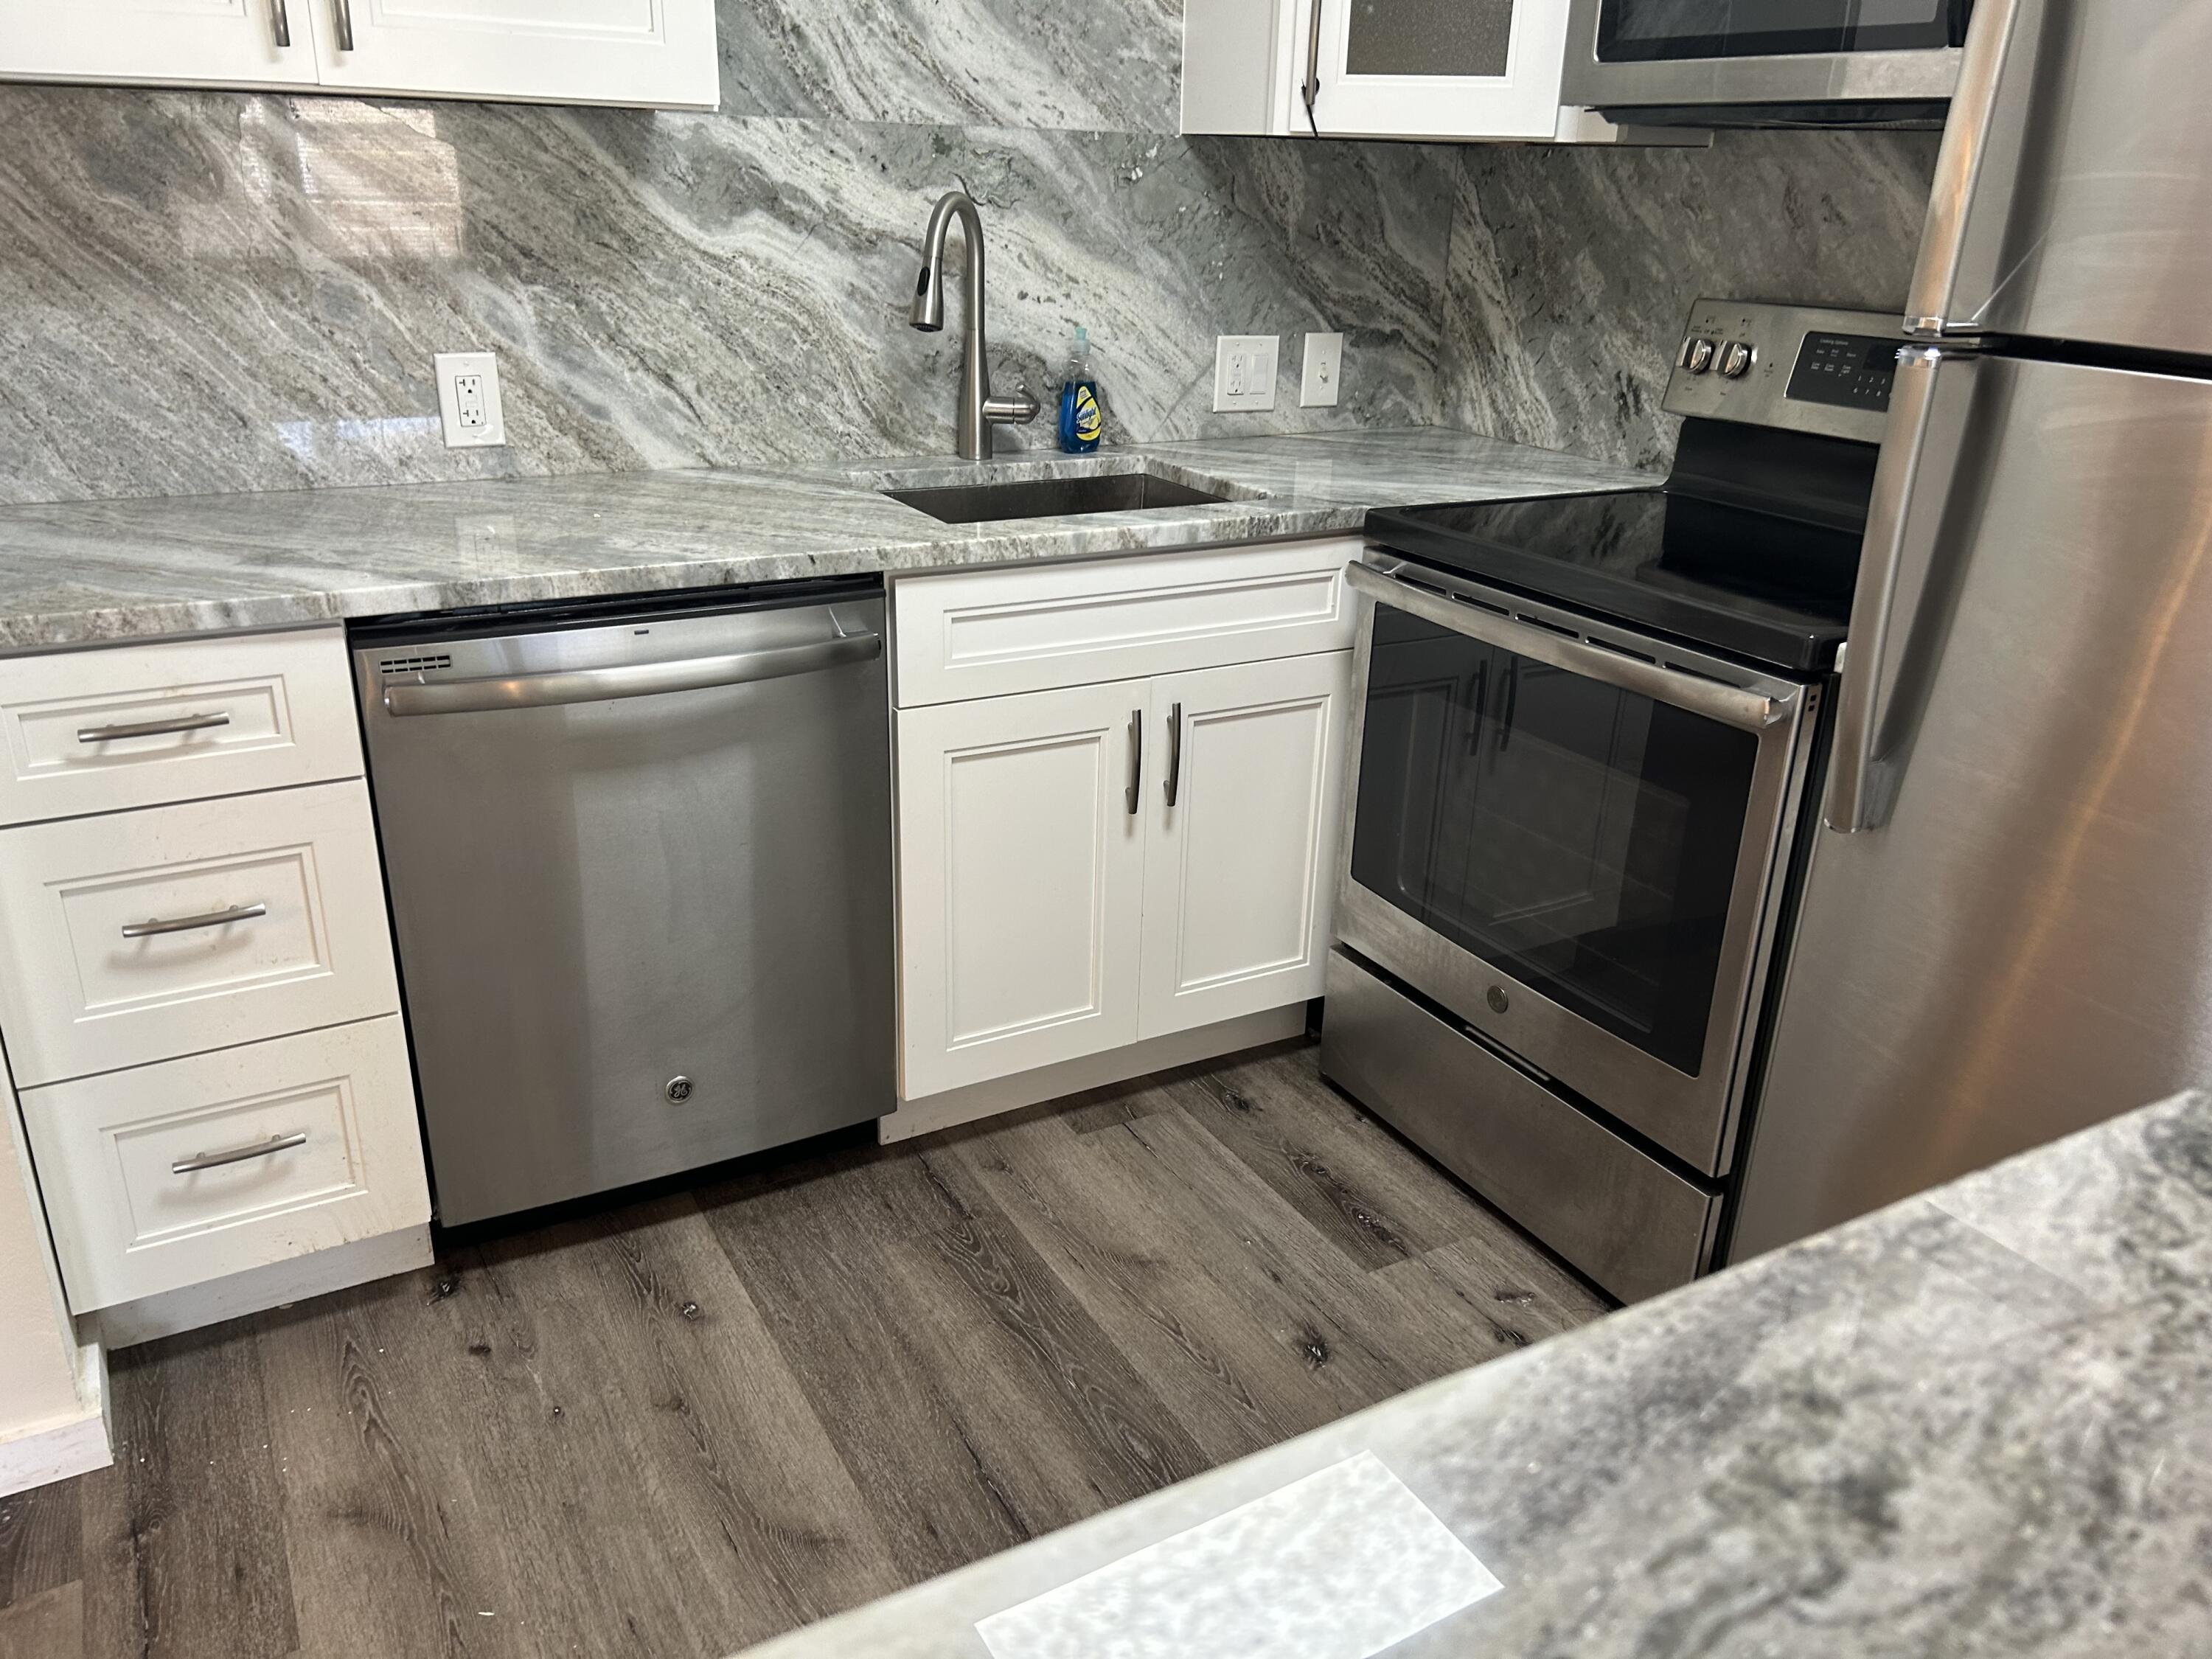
640, 862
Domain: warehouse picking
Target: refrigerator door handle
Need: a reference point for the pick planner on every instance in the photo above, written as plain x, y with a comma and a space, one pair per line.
1977, 165
1919, 454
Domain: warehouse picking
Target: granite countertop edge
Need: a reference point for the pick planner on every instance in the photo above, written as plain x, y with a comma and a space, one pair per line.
86, 573
1972, 1423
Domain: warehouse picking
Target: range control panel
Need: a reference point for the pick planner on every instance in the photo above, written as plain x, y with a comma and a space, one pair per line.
1800, 366
1850, 371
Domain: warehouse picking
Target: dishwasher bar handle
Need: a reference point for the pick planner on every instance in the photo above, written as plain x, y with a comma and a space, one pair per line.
640, 680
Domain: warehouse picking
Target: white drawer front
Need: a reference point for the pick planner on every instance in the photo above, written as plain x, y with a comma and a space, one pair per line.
255, 713
318, 1131
988, 633
282, 928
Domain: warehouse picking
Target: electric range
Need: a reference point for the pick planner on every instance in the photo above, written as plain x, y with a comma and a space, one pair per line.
1584, 732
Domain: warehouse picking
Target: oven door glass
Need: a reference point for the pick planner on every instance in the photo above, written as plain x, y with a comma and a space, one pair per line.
1661, 31
1576, 835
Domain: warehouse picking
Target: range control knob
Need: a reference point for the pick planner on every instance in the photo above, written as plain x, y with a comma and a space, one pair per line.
1736, 359
1697, 354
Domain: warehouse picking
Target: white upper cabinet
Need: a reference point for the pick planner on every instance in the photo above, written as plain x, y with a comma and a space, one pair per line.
651, 53
1387, 69
568, 52
1431, 68
236, 42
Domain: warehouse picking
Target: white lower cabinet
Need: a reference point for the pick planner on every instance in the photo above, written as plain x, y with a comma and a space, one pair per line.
197, 988
1055, 903
168, 1176
1021, 881
1241, 851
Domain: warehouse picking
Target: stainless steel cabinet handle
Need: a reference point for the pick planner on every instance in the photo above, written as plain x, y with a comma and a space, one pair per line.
280, 23
1174, 751
1136, 756
342, 16
187, 924
1731, 705
1310, 88
240, 1154
641, 679
161, 728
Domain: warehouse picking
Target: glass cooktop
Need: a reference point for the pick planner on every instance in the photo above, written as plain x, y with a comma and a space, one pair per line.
1754, 584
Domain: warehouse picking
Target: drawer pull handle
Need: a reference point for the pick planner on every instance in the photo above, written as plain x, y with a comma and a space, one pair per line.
150, 728
186, 924
240, 1154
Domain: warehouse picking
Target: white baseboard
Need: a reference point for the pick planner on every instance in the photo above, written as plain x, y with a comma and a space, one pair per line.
1008, 1094
75, 1445
270, 1286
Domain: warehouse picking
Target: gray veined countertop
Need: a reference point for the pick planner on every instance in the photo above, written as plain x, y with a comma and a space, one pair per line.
83, 572
1977, 1423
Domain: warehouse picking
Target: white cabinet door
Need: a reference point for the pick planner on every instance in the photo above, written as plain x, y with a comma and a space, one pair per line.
236, 43
1241, 831
1021, 880
1429, 68
566, 51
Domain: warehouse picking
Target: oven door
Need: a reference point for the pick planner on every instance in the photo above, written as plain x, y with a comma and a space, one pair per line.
1572, 837
1778, 53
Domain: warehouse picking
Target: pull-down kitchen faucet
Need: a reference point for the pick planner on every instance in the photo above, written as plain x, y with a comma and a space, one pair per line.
979, 410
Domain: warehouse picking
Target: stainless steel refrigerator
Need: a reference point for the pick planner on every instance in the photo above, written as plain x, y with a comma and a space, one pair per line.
2006, 921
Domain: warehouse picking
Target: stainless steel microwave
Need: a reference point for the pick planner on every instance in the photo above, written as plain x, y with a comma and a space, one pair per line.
1786, 63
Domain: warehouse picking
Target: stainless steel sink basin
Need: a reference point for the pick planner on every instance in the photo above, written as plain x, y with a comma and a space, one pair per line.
1052, 498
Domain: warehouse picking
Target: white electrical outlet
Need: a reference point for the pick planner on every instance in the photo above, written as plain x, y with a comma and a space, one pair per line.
468, 398
1320, 371
1244, 371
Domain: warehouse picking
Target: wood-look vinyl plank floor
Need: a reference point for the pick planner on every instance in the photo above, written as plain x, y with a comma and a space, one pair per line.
682, 1423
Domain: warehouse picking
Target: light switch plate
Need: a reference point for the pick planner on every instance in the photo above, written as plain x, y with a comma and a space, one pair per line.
467, 399
1244, 371
1319, 370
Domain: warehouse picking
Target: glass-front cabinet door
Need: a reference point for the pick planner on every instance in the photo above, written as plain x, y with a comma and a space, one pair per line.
1435, 69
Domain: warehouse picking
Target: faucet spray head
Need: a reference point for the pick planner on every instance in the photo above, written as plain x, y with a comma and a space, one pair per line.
927, 313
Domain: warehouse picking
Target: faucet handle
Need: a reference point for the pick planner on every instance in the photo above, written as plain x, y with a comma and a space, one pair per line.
1020, 409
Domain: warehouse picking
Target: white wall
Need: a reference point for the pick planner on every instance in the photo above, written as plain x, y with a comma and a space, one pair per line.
48, 1426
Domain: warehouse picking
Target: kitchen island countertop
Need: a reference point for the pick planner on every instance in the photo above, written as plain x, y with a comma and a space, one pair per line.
84, 572
1978, 1422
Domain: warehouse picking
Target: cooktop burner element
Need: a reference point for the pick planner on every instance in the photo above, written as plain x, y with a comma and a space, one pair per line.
1752, 583
1751, 546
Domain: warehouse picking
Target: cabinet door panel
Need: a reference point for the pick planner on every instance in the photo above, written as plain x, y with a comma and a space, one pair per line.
570, 52
1239, 868
220, 42
1438, 68
1020, 883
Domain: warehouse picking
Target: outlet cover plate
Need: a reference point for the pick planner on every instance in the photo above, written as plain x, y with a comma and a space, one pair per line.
1320, 371
467, 399
1244, 371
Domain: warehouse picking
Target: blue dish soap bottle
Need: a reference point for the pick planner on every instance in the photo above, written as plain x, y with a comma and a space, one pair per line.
1079, 416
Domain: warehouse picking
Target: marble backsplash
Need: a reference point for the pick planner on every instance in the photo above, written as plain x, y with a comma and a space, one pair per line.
1572, 269
210, 291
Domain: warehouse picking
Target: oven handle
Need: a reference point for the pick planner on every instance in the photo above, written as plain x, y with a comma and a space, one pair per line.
1731, 705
